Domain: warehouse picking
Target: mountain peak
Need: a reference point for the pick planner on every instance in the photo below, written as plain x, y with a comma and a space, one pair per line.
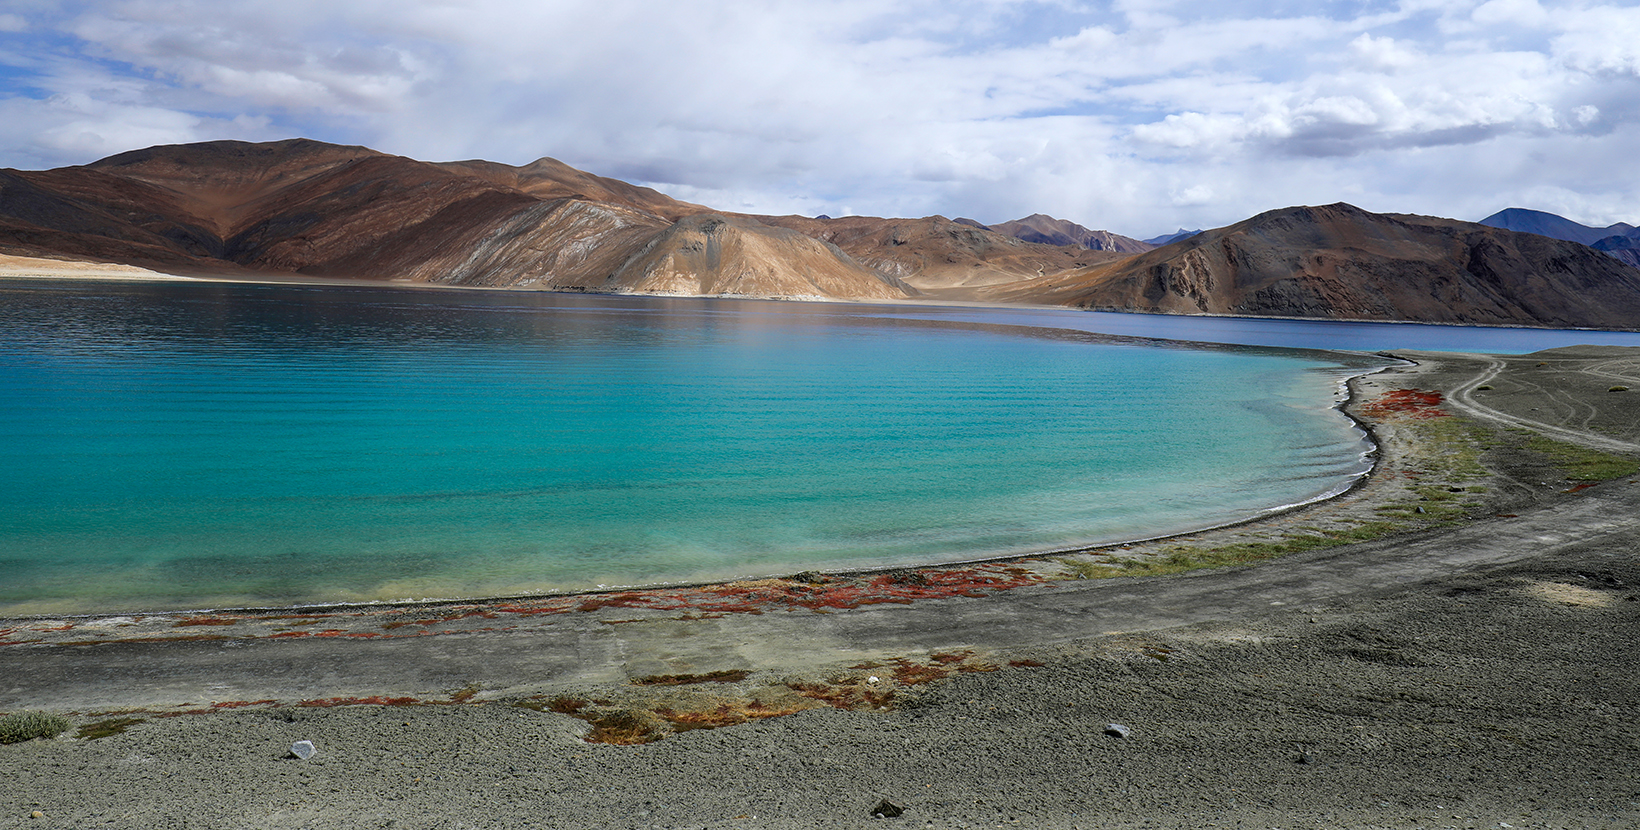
1046, 230
1547, 224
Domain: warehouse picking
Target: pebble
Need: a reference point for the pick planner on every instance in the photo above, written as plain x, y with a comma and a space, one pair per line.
303, 749
1116, 730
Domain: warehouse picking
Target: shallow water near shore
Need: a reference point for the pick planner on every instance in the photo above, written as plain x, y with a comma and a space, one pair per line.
175, 446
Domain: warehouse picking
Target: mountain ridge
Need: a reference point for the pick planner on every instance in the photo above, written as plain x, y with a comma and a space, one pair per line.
1039, 227
1339, 261
302, 207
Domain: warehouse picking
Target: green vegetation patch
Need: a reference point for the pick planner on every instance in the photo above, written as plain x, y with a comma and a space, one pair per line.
106, 728
1456, 445
26, 726
1181, 558
1582, 463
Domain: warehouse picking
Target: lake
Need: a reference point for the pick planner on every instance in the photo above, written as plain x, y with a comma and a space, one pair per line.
207, 445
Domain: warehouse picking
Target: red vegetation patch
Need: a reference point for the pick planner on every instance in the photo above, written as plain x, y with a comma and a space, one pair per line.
373, 700
724, 715
626, 600
722, 676
448, 616
846, 696
240, 704
206, 621
910, 674
1411, 403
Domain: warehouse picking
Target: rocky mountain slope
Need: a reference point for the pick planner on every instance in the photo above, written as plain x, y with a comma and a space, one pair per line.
310, 208
940, 256
1339, 261
304, 207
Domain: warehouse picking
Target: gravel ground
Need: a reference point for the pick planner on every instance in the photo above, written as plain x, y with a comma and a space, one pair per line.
1494, 699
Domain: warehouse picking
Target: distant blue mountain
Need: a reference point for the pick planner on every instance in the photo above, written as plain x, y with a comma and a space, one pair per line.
1169, 238
1554, 227
1626, 248
1621, 240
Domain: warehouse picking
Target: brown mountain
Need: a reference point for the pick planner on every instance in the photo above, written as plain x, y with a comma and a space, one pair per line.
304, 207
940, 256
1047, 230
1339, 261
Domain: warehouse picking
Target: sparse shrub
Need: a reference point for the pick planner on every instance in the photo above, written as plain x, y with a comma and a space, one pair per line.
23, 726
624, 727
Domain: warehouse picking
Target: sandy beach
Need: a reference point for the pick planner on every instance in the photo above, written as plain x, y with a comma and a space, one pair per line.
1450, 644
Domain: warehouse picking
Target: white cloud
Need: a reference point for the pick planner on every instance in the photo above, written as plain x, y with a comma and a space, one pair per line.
1135, 115
1603, 39
1515, 12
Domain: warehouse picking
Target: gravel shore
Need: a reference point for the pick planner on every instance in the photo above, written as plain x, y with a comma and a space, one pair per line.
1472, 664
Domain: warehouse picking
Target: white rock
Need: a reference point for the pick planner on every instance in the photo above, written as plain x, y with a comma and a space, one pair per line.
303, 750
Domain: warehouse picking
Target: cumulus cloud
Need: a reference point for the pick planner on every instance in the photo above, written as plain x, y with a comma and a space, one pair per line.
1133, 115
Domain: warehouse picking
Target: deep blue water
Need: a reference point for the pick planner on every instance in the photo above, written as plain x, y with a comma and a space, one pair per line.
188, 445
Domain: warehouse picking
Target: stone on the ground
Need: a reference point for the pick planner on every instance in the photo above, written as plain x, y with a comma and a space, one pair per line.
1116, 730
887, 809
303, 749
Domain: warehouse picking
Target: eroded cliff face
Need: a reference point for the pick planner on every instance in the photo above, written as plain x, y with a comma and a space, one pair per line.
941, 256
561, 244
1338, 261
715, 254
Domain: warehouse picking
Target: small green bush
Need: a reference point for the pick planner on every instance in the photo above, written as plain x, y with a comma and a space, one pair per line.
24, 726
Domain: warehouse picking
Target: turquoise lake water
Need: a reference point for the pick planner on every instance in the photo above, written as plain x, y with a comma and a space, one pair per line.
173, 446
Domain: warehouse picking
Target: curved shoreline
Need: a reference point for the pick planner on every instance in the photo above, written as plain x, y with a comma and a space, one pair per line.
1040, 567
1347, 479
1341, 405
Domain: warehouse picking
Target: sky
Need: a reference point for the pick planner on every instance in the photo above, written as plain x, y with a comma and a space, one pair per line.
1135, 116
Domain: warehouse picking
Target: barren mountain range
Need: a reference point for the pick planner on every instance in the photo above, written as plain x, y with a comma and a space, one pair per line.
1338, 261
303, 207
